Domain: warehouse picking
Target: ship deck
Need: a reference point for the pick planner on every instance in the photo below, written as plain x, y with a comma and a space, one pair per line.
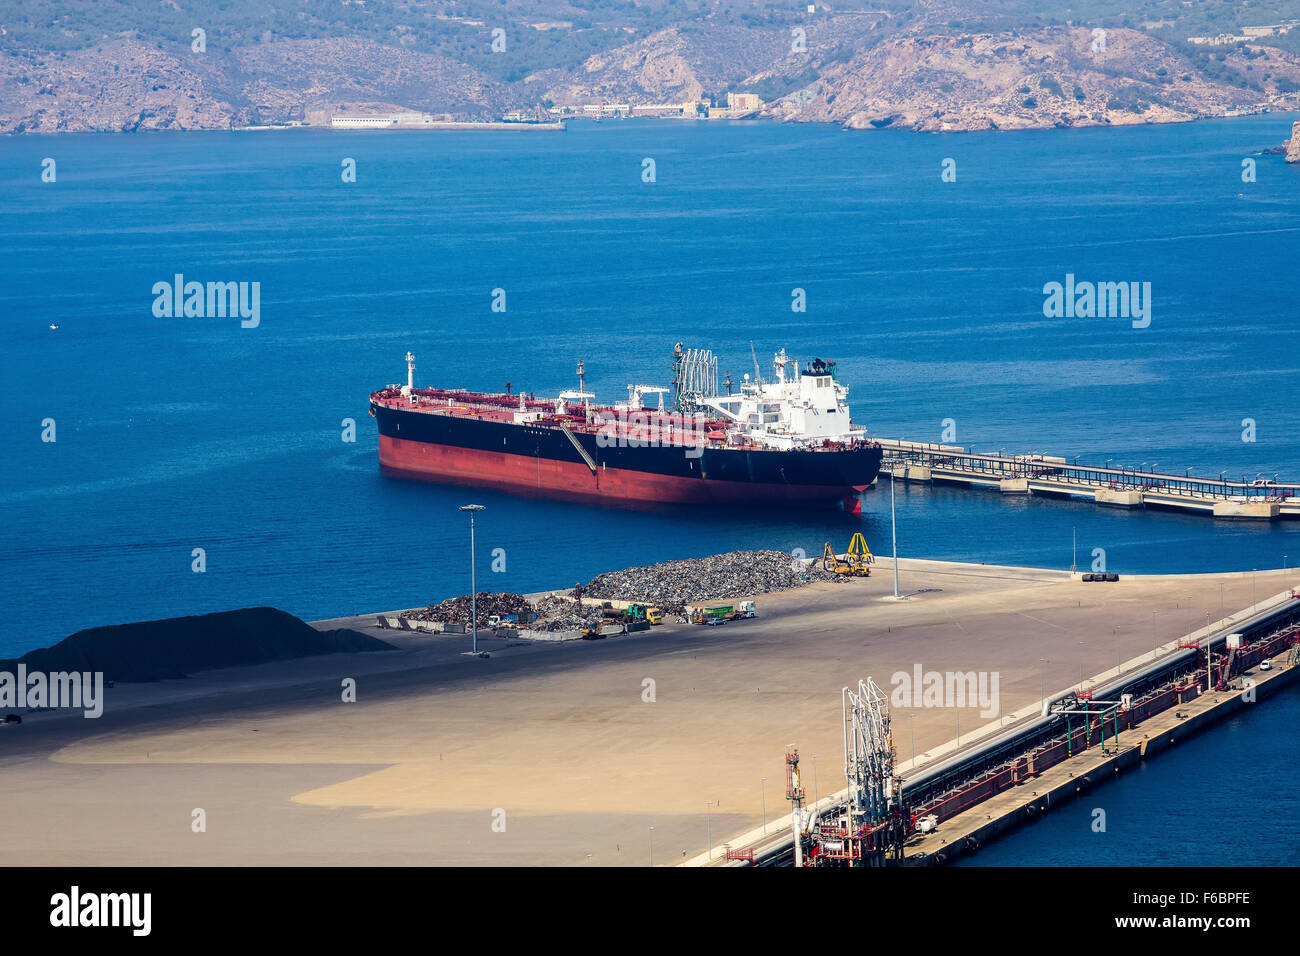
649, 426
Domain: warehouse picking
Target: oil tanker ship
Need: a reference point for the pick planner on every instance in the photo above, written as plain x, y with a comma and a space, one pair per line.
787, 442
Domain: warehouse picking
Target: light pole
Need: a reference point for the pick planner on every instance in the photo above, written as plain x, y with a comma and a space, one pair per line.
473, 583
893, 530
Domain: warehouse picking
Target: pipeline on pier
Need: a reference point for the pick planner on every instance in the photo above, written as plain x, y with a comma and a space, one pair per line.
1259, 499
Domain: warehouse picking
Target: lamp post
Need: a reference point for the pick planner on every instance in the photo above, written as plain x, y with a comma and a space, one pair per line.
473, 582
893, 530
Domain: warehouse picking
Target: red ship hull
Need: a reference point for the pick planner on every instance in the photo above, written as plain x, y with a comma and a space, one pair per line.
446, 464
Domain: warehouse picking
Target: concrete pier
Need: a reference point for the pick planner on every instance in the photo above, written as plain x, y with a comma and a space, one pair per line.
1247, 510
1118, 498
1258, 500
969, 830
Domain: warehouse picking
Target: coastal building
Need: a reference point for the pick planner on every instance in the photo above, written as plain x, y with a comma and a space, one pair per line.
1247, 34
1270, 29
1223, 39
664, 109
380, 120
607, 109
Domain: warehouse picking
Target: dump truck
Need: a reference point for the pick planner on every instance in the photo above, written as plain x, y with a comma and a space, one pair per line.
644, 612
507, 620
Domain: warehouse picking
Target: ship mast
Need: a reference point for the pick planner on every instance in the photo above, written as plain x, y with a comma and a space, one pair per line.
410, 374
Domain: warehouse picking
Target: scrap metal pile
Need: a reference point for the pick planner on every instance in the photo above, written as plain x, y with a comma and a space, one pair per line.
737, 574
669, 586
559, 614
456, 610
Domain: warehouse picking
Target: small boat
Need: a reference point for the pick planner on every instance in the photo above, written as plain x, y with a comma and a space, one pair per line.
54, 325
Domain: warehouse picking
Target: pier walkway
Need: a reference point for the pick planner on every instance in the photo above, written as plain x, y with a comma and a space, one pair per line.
1258, 499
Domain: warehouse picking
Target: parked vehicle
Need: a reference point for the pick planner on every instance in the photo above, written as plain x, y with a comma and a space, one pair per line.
644, 612
702, 615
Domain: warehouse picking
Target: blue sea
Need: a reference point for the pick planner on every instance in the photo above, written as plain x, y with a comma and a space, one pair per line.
175, 434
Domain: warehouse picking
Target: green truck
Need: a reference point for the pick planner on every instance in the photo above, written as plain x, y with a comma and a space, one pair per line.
645, 612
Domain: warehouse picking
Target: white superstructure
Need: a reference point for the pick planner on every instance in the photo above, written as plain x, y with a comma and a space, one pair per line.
803, 407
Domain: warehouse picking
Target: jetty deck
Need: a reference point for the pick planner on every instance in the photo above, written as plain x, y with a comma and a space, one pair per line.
1256, 498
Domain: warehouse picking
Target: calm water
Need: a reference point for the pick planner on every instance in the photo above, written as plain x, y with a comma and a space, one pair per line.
175, 434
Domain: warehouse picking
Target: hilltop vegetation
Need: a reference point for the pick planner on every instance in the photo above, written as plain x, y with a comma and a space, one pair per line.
932, 64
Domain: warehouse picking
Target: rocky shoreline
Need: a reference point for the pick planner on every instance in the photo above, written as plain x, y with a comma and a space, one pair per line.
853, 75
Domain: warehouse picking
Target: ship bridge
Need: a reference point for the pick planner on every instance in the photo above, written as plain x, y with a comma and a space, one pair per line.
799, 408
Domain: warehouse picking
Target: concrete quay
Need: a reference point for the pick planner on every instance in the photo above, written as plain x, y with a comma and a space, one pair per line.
968, 829
564, 737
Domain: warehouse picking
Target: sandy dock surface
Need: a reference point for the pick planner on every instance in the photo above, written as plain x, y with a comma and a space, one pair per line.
558, 754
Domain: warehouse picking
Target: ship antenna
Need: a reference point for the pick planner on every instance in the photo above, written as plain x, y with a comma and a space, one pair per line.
582, 374
410, 371
758, 376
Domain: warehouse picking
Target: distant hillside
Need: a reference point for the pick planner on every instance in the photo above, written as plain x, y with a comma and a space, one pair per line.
122, 65
179, 646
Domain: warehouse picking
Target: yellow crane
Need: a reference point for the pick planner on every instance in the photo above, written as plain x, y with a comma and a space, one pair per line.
855, 560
